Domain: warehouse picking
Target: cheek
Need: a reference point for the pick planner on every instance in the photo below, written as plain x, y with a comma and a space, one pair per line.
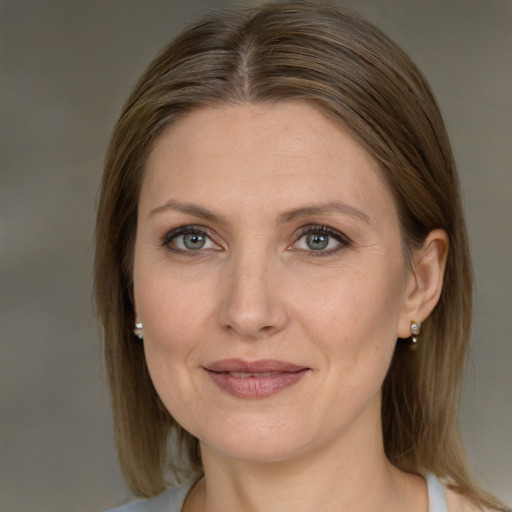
359, 306
171, 309
174, 317
355, 328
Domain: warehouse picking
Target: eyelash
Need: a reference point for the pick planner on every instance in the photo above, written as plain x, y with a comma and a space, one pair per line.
344, 241
185, 230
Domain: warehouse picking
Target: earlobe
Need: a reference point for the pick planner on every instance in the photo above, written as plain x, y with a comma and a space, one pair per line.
425, 281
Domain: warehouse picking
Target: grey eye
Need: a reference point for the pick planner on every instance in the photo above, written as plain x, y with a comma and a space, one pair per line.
321, 240
317, 242
194, 241
190, 240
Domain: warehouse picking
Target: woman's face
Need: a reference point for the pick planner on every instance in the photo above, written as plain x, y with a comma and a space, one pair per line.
270, 280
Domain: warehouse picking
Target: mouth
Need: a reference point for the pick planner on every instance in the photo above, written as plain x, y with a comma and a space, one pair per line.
245, 375
254, 379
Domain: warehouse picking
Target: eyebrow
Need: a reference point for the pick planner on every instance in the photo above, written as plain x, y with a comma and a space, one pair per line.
189, 208
288, 216
323, 209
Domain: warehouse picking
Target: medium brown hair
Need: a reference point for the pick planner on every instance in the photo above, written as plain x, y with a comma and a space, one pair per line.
328, 56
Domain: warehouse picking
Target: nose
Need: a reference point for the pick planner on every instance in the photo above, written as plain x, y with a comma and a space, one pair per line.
252, 304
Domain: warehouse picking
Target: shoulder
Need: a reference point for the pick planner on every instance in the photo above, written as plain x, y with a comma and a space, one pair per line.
442, 497
169, 501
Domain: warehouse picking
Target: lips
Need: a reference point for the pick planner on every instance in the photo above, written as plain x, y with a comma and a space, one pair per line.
254, 379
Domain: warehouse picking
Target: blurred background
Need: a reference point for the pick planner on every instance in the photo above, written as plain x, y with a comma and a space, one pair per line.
66, 67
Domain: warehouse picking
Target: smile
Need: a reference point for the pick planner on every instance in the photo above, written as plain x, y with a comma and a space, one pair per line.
254, 379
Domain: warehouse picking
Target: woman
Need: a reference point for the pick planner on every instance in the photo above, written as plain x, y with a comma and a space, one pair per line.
282, 273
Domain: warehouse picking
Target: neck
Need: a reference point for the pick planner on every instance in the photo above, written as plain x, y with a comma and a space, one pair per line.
345, 474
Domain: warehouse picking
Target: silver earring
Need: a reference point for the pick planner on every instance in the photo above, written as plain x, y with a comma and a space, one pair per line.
415, 332
138, 330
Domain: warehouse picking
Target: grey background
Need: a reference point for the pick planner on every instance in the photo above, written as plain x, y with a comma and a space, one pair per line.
66, 67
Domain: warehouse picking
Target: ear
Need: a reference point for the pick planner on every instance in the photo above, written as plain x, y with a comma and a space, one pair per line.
424, 281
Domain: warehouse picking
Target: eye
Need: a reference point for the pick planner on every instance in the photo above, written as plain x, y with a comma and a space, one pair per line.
320, 239
189, 239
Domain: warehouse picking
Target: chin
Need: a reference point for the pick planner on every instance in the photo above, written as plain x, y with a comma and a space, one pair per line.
253, 442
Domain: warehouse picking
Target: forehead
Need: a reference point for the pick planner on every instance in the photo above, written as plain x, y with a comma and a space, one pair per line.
273, 153
295, 129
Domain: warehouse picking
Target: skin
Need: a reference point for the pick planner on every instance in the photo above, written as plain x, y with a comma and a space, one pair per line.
256, 290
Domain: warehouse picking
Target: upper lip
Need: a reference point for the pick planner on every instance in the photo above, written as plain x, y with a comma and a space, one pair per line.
260, 366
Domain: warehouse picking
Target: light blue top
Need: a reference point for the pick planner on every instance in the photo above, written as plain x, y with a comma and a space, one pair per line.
169, 501
172, 501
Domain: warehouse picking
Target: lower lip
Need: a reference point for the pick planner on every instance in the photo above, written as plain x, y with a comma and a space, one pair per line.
254, 386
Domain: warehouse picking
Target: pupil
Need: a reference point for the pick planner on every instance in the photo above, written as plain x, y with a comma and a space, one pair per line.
194, 241
317, 242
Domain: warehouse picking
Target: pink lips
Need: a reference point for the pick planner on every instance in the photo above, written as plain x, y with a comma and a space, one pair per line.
254, 379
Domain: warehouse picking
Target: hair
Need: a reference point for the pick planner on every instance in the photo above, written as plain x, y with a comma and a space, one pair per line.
327, 56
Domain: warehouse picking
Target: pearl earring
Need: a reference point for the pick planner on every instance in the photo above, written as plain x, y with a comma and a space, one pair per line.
415, 331
138, 330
